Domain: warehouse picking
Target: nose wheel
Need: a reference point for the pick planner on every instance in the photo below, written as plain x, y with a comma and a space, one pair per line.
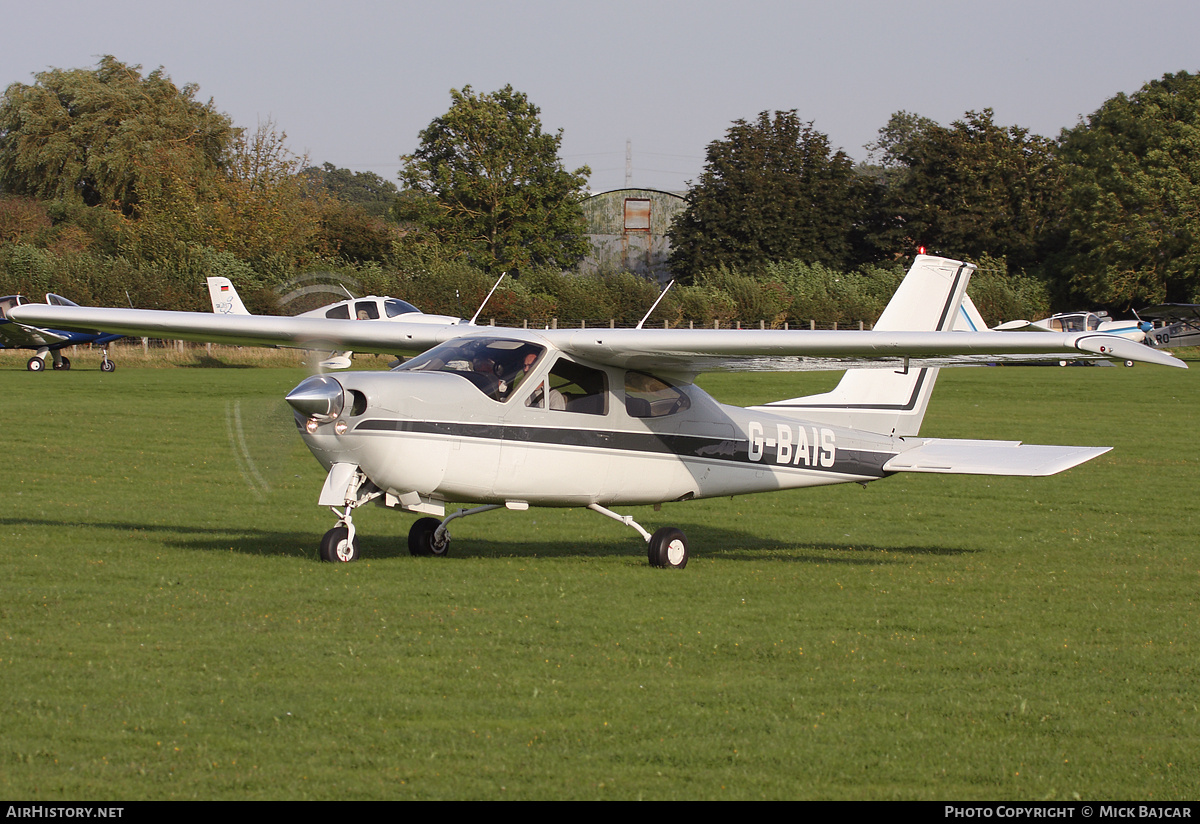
339, 546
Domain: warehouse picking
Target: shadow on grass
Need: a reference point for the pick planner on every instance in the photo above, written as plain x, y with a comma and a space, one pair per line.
705, 542
209, 362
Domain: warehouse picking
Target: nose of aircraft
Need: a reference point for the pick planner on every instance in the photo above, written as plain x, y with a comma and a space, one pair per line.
318, 397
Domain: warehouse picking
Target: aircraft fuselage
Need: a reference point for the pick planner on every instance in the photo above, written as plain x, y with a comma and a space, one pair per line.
437, 435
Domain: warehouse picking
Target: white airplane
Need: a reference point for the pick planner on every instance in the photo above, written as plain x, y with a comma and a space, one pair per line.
226, 301
1134, 330
600, 418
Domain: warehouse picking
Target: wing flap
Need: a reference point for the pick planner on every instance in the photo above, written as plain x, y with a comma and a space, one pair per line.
973, 457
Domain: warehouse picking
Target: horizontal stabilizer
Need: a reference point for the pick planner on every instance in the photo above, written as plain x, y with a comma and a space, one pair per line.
968, 457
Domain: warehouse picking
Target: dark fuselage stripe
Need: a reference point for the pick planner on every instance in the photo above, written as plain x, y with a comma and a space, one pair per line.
727, 450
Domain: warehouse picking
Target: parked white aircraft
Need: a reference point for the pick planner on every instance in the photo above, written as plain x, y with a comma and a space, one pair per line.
226, 301
1134, 330
598, 418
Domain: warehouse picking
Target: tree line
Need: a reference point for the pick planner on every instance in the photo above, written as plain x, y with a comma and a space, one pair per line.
119, 187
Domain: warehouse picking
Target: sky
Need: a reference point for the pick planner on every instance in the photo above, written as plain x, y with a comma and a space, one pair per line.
353, 83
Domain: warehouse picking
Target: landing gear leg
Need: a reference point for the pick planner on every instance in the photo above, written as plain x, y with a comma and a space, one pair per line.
105, 364
429, 536
665, 548
340, 544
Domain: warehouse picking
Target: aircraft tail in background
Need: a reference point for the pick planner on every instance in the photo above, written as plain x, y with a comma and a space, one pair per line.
225, 299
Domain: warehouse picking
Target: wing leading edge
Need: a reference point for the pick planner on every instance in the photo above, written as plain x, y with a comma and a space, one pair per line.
683, 351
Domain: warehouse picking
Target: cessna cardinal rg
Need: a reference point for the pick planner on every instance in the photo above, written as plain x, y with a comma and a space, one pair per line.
508, 418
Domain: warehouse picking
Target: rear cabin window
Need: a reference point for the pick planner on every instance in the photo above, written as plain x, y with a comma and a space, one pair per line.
649, 397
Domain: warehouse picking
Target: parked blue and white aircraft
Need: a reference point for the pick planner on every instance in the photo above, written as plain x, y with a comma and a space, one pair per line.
601, 418
48, 342
1134, 330
226, 301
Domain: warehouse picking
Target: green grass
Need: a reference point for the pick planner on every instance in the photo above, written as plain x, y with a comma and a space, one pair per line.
166, 630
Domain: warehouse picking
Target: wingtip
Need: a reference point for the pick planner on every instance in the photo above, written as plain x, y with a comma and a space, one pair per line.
1118, 348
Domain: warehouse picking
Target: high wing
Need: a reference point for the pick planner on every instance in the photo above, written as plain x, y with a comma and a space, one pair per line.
687, 352
1172, 312
245, 330
694, 351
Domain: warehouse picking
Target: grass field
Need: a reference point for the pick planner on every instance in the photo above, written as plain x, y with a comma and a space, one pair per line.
167, 632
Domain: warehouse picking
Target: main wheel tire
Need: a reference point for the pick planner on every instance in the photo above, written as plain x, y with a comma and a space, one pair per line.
668, 548
63, 364
421, 538
35, 364
107, 366
335, 548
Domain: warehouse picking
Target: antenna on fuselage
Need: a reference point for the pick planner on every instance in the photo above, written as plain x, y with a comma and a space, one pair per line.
485, 300
655, 306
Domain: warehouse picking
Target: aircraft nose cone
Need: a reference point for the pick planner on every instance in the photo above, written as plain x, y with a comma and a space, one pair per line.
318, 397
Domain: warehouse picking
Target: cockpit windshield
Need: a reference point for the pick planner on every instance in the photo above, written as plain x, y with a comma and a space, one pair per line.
59, 300
395, 306
496, 366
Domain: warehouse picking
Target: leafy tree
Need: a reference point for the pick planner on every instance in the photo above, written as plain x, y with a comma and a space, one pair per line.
975, 188
259, 209
90, 135
885, 155
897, 137
501, 192
1134, 192
366, 190
771, 190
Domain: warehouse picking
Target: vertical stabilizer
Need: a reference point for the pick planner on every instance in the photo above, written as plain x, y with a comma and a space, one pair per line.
893, 402
225, 299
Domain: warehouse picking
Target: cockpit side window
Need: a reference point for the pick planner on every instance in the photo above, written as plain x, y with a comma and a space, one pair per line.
366, 310
649, 397
339, 312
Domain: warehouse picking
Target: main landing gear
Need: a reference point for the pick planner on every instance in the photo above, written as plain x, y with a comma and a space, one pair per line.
666, 548
429, 536
38, 362
61, 363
